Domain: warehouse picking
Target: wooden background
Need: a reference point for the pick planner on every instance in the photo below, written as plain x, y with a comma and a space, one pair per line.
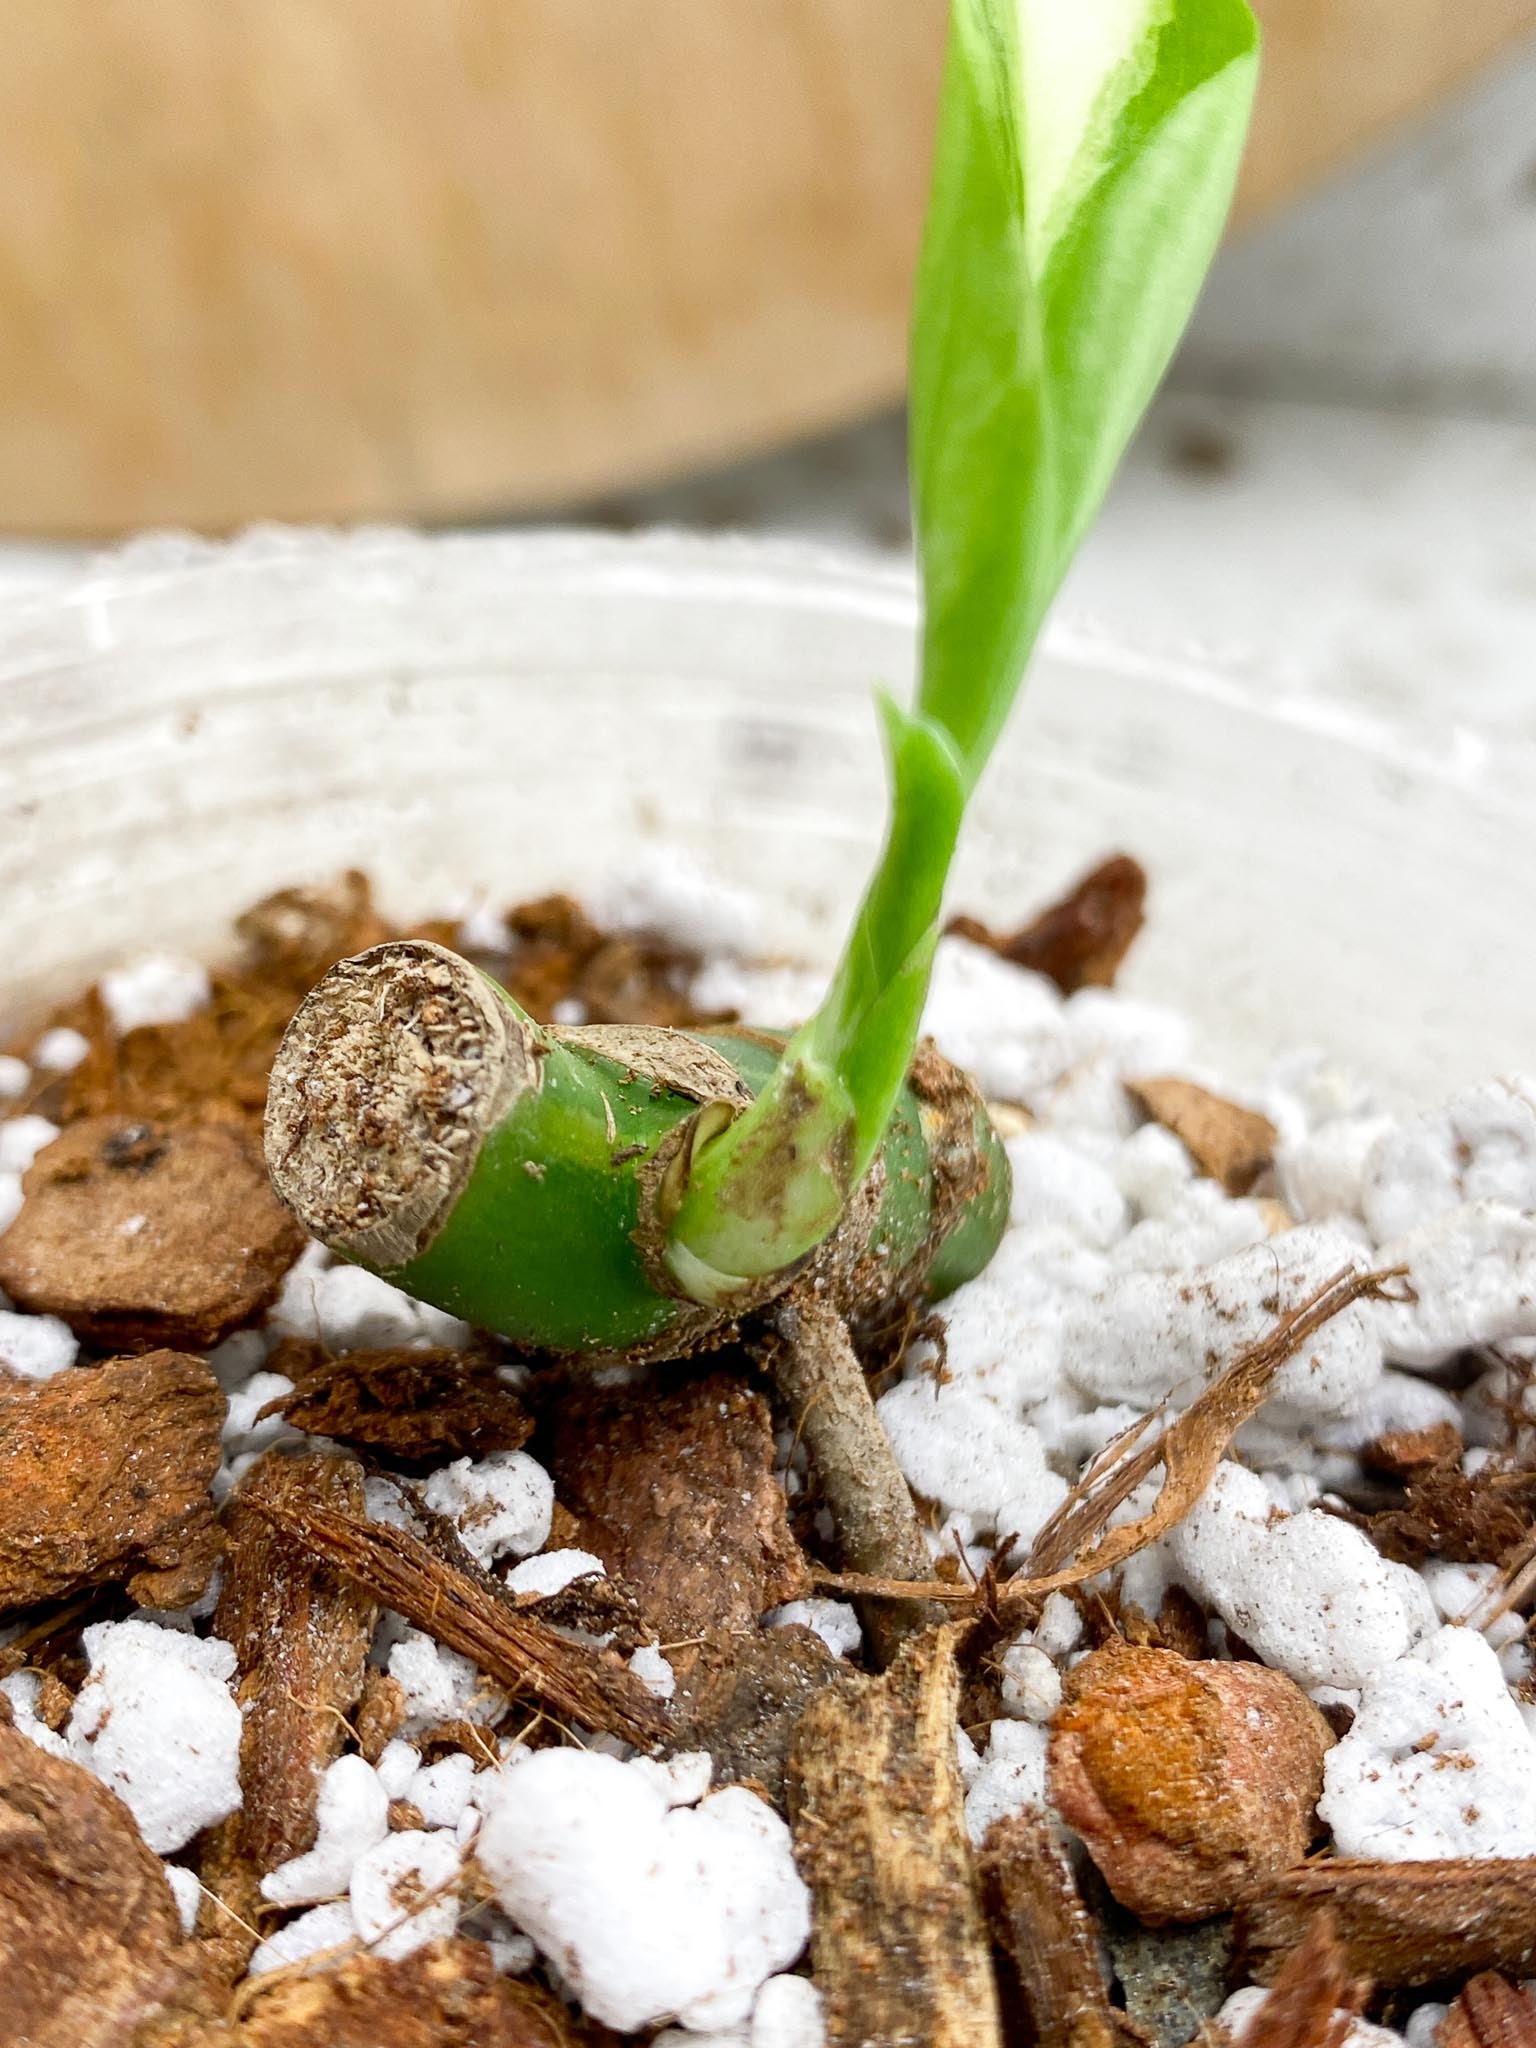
347, 259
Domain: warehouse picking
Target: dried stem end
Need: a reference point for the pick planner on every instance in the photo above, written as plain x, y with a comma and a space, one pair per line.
387, 1081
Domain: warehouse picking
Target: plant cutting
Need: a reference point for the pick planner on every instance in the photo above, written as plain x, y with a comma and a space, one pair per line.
602, 1193
530, 1701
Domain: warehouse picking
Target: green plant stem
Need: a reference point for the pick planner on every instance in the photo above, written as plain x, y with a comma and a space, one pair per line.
424, 1126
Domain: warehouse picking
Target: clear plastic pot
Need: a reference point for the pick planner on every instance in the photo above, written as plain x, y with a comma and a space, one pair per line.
188, 726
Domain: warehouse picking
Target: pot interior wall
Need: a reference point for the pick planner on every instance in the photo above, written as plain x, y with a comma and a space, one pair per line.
191, 726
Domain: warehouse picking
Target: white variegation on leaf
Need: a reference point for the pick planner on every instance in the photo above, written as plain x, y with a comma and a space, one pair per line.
1079, 65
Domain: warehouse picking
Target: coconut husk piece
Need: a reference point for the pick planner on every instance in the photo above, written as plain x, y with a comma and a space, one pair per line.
301, 1635
467, 1612
898, 1941
1400, 1923
1041, 1924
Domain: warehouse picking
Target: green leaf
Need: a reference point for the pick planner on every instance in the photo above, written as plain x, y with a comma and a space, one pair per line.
1086, 155
1085, 162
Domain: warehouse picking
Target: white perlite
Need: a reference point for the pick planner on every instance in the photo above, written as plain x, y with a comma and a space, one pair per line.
313, 1933
553, 1570
1150, 1334
1439, 1761
442, 1793
787, 2014
346, 1309
24, 1689
351, 1817
35, 1347
833, 1620
158, 988
60, 1051
1009, 1779
155, 1720
499, 1503
440, 1685
653, 1671
957, 1447
663, 891
404, 1892
188, 1893
1480, 1147
1031, 1684
1472, 1275
1313, 1596
649, 1911
21, 1139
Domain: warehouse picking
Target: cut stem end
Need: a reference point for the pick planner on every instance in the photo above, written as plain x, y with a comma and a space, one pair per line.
387, 1081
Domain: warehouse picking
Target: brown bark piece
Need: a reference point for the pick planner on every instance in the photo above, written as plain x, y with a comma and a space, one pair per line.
412, 1407
1401, 1923
471, 1614
1080, 941
445, 1995
1231, 1144
90, 1942
381, 1713
1313, 1999
741, 1696
1406, 1453
673, 1489
1490, 2013
1471, 1517
291, 937
104, 1474
145, 1234
1041, 1924
1187, 1781
897, 1937
301, 1636
170, 1072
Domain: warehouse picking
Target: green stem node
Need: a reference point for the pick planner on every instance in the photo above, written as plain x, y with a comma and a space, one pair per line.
424, 1126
